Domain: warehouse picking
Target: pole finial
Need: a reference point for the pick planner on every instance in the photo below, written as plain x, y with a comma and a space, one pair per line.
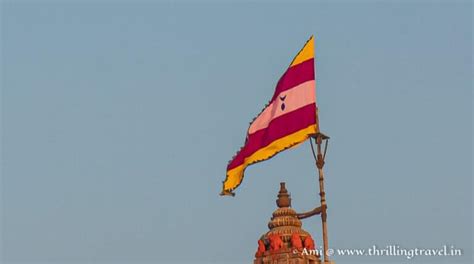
284, 199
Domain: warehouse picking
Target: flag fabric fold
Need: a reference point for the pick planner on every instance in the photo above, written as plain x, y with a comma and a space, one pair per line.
286, 121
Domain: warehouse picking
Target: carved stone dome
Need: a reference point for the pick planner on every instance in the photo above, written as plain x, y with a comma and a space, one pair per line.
285, 236
284, 221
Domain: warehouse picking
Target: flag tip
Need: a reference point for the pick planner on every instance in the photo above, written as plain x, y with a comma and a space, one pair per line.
227, 193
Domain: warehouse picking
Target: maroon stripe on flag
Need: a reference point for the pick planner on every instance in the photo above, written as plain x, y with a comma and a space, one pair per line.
295, 75
279, 127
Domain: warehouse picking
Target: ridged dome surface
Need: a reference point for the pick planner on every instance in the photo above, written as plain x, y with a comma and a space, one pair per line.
279, 243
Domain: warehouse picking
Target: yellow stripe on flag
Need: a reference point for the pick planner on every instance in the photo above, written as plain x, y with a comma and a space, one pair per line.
306, 53
235, 176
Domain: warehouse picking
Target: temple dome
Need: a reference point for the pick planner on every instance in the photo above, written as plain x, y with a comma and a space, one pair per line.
284, 225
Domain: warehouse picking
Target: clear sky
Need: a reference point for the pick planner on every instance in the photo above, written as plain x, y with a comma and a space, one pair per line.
118, 121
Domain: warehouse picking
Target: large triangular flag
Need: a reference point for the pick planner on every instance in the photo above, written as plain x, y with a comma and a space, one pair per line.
288, 119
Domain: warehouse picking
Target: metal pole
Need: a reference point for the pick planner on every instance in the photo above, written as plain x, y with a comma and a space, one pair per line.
322, 194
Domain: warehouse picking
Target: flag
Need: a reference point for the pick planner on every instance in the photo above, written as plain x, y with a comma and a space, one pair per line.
288, 119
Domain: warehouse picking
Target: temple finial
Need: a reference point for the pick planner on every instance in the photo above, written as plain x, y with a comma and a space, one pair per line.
284, 199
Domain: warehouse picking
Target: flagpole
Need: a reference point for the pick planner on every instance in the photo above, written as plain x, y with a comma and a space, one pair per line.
320, 164
319, 158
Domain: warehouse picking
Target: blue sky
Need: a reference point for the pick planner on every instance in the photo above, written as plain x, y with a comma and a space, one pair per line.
118, 120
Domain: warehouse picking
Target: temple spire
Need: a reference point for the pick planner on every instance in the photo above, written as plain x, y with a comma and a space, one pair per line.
286, 242
284, 199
